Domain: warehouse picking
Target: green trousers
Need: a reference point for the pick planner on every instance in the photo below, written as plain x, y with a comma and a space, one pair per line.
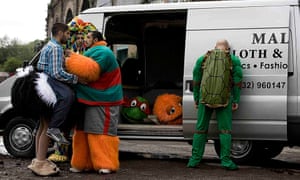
224, 118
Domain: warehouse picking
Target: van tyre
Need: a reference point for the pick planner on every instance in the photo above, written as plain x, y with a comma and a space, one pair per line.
18, 139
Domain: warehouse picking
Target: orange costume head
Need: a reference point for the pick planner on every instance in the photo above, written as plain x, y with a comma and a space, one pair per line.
168, 109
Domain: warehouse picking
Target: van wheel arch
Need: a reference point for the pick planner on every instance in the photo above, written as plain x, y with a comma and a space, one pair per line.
271, 149
6, 117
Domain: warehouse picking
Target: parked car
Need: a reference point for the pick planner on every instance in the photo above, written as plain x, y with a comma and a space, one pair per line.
15, 129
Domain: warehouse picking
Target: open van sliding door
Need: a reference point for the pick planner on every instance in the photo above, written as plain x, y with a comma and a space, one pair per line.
259, 36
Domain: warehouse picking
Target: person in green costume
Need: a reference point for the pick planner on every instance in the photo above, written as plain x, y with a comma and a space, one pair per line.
223, 114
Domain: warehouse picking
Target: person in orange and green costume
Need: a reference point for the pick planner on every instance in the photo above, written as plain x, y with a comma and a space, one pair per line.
223, 114
95, 140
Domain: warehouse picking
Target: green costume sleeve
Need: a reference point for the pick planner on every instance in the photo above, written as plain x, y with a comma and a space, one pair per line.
237, 73
197, 76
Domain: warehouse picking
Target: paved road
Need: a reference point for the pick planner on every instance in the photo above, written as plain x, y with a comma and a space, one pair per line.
153, 149
156, 160
2, 148
179, 150
163, 149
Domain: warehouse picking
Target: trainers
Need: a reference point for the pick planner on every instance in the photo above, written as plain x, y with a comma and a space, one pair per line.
58, 158
56, 135
75, 170
104, 171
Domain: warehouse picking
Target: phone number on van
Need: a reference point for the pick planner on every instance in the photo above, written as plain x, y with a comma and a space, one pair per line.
263, 85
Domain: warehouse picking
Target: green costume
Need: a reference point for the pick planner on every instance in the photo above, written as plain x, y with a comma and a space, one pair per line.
223, 115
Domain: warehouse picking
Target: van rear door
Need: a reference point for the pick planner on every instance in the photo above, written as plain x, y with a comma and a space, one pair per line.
259, 36
97, 19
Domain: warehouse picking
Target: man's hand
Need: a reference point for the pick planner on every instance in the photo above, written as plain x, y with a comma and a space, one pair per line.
68, 53
235, 106
82, 80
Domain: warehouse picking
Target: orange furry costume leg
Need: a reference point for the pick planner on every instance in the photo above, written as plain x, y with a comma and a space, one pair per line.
104, 151
81, 158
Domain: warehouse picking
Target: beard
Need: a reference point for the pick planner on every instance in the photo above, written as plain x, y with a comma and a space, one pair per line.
64, 40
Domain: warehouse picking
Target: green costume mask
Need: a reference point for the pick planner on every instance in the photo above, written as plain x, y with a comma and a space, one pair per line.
135, 110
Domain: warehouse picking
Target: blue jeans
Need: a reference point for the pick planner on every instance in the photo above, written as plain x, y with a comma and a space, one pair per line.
65, 98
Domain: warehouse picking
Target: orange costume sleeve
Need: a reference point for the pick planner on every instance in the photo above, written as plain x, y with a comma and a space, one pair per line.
84, 67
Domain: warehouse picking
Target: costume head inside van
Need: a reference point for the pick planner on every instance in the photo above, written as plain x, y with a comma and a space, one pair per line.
168, 109
136, 109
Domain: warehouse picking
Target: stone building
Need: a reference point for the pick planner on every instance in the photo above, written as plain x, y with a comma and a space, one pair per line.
64, 10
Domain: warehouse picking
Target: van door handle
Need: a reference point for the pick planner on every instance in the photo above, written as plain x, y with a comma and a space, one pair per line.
188, 86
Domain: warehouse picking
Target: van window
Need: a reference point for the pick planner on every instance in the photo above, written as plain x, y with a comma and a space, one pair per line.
130, 64
124, 51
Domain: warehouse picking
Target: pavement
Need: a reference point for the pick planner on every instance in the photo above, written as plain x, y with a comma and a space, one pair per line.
153, 149
182, 150
178, 150
2, 148
163, 149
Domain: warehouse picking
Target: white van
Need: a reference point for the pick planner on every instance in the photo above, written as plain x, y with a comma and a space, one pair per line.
161, 43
